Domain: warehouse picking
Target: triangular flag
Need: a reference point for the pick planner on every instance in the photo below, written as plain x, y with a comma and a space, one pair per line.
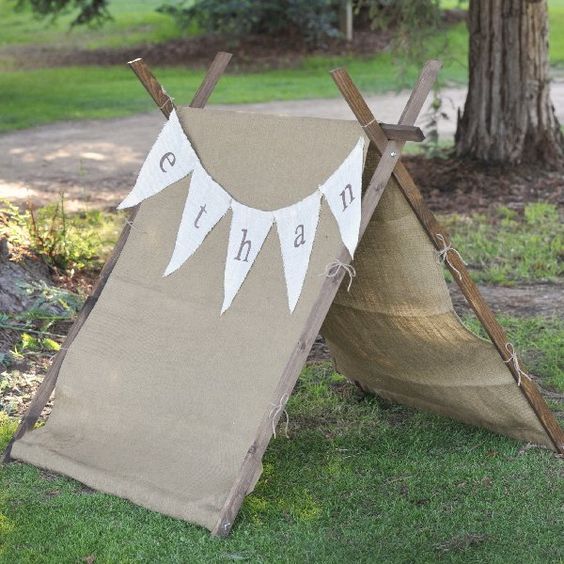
297, 225
343, 192
206, 204
170, 159
249, 228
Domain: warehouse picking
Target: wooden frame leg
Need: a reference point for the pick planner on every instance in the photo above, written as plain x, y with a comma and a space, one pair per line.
370, 200
440, 239
166, 105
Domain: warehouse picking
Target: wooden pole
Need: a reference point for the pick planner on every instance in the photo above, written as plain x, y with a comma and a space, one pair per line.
165, 104
440, 239
388, 161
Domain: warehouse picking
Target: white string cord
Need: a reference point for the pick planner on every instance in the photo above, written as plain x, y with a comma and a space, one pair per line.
276, 410
442, 255
168, 99
332, 270
515, 361
130, 223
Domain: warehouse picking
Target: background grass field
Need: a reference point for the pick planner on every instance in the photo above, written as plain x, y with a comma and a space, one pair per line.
35, 97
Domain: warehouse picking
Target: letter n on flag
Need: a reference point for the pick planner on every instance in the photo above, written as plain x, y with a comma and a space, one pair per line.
343, 192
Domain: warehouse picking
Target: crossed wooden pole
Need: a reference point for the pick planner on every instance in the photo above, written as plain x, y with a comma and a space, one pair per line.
387, 141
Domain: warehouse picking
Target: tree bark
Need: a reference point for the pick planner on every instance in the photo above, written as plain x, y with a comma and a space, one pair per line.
508, 116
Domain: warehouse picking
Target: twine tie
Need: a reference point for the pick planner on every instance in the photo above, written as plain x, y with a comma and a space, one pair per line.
515, 361
278, 409
168, 99
332, 270
130, 223
442, 255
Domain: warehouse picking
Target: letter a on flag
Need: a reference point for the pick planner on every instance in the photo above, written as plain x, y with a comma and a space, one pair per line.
249, 228
170, 159
343, 192
206, 204
297, 225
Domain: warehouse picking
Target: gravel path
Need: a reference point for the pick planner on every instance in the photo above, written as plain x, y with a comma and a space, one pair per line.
95, 162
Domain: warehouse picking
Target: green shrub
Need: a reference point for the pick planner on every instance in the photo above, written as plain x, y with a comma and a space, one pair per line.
313, 21
64, 241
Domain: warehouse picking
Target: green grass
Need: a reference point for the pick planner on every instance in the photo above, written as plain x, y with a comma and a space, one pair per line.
134, 22
539, 342
503, 247
36, 97
356, 482
64, 241
556, 39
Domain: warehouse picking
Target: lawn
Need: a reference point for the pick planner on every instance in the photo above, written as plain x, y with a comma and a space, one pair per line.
35, 97
134, 22
103, 92
358, 479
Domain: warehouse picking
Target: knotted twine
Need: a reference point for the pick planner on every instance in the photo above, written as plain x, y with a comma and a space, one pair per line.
332, 270
169, 99
515, 361
442, 255
276, 410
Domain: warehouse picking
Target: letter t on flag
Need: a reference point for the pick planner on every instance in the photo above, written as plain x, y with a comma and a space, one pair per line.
206, 204
249, 228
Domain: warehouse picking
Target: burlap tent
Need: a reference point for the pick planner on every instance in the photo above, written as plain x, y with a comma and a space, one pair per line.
162, 401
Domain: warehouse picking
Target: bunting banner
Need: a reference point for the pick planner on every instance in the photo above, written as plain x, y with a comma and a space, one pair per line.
170, 159
343, 192
206, 204
249, 228
173, 158
297, 225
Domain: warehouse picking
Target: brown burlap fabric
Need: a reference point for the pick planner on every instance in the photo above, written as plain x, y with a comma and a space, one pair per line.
159, 398
396, 332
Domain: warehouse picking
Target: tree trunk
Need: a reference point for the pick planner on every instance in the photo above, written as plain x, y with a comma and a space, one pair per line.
508, 116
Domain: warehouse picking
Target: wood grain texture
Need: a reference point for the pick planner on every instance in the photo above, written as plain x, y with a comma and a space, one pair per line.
216, 69
249, 467
398, 132
164, 102
157, 92
434, 229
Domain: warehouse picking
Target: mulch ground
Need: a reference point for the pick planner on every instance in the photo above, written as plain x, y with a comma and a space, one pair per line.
460, 186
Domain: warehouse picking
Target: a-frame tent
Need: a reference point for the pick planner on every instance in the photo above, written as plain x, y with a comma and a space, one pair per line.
163, 401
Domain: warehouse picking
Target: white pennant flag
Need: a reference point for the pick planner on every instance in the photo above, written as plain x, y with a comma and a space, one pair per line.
249, 228
343, 192
170, 159
206, 204
297, 225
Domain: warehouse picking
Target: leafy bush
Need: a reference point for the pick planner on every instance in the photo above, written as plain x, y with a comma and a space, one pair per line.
89, 12
64, 241
310, 20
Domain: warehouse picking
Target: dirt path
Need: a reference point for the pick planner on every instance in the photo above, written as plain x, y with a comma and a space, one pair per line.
95, 162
